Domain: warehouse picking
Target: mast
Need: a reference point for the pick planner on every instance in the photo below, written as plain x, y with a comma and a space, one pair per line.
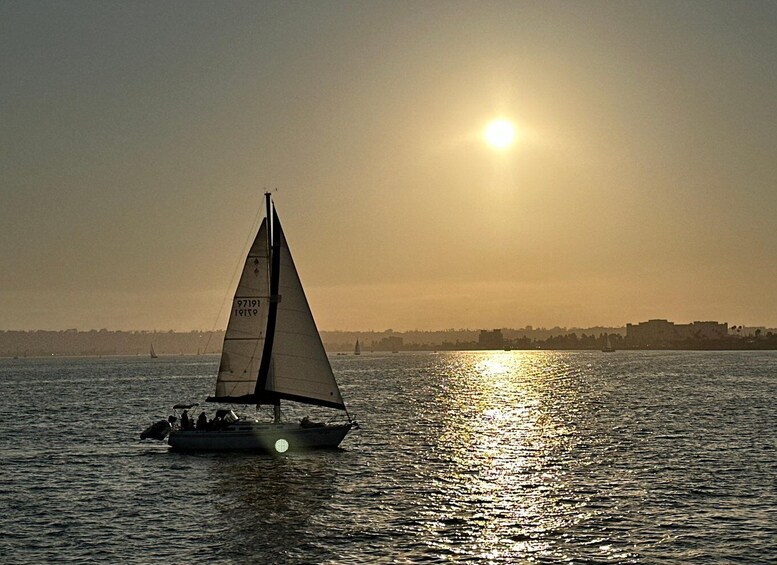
276, 408
273, 244
268, 207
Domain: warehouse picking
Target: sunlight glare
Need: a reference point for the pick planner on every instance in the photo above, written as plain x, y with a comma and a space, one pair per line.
500, 133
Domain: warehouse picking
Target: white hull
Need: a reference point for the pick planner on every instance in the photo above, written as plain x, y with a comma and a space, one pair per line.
256, 436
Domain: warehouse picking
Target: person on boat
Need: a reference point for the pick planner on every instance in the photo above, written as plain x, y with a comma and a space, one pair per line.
202, 421
186, 423
306, 422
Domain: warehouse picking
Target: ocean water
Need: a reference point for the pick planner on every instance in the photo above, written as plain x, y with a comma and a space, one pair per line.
488, 457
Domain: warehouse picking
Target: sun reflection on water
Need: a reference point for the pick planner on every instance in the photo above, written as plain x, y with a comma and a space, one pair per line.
502, 444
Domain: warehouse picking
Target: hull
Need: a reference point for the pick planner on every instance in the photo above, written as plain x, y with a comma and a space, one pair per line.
255, 436
158, 430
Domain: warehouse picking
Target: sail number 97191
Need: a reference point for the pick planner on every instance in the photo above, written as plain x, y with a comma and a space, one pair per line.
246, 307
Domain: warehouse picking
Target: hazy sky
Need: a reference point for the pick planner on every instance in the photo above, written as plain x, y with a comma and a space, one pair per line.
136, 139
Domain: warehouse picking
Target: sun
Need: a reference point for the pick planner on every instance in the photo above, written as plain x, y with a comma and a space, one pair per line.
500, 133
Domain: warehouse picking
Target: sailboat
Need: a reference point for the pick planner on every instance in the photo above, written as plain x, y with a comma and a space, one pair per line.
357, 350
608, 348
272, 352
152, 353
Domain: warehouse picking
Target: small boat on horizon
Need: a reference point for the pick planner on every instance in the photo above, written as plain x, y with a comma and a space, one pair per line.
152, 353
272, 352
357, 350
608, 348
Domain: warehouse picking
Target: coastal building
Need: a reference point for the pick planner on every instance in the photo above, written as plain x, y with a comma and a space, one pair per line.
704, 330
491, 339
657, 332
651, 332
748, 331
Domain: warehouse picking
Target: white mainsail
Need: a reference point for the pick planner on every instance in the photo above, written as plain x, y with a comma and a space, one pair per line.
244, 337
300, 367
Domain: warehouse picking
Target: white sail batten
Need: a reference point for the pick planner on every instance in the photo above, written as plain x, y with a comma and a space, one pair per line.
300, 367
244, 337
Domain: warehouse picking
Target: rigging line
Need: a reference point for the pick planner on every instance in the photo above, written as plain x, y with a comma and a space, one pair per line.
244, 253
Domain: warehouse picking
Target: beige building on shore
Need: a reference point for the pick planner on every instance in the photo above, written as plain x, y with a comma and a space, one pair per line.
664, 331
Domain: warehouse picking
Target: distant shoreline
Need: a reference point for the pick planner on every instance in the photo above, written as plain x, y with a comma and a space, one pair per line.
214, 355
105, 343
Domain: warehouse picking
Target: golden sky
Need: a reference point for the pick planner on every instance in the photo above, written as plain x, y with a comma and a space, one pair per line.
137, 139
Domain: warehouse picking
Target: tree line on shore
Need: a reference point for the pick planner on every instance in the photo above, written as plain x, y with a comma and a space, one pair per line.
39, 343
104, 342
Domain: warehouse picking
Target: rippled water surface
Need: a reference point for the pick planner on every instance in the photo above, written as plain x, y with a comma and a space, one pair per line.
503, 457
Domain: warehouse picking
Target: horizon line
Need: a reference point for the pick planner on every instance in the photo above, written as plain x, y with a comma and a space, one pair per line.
528, 327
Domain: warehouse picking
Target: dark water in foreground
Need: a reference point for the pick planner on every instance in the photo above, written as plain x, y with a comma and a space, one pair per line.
502, 457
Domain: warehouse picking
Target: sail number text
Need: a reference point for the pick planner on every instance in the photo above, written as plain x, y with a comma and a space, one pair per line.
246, 307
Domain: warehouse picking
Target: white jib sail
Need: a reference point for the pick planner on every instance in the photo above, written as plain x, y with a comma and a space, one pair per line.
300, 366
244, 338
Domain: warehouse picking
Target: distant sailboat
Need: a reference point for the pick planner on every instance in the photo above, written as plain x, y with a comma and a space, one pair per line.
357, 350
272, 352
608, 348
152, 353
